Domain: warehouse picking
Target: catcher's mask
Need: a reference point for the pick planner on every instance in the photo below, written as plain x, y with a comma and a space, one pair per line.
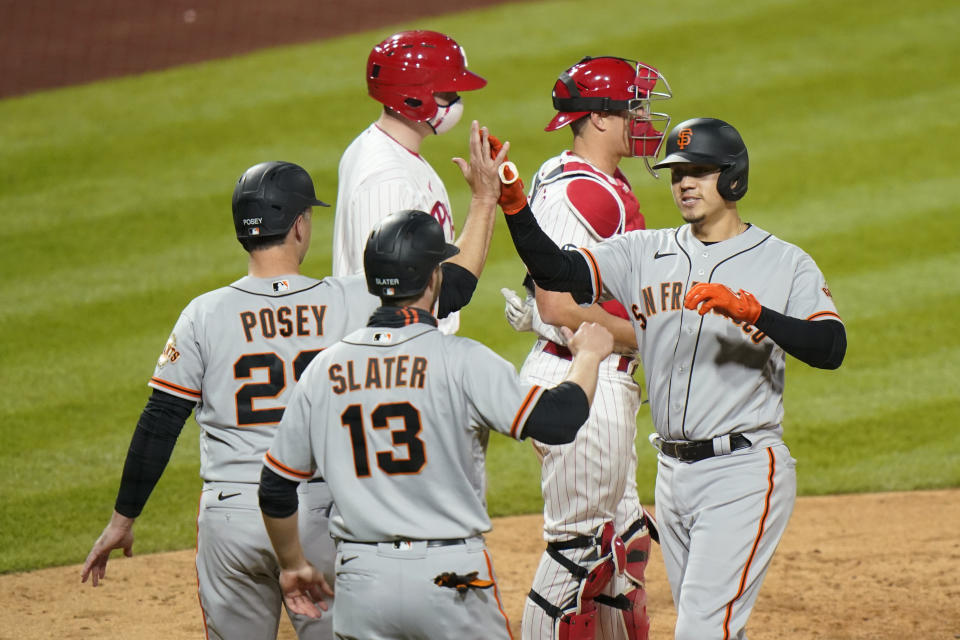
402, 252
406, 69
612, 84
269, 196
710, 141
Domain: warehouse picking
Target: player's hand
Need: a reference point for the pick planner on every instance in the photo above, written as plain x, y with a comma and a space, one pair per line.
519, 312
740, 306
512, 198
304, 590
118, 534
591, 339
481, 172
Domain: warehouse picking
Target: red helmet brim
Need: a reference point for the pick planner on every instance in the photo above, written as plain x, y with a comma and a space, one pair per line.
465, 80
562, 119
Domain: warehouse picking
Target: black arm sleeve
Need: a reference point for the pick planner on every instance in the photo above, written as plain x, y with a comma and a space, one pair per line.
819, 343
456, 290
277, 495
558, 414
153, 440
552, 268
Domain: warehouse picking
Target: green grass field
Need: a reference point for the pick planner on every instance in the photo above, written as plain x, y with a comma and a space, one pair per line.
115, 201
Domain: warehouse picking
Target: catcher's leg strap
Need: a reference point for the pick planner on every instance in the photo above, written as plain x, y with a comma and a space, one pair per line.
635, 618
637, 542
579, 624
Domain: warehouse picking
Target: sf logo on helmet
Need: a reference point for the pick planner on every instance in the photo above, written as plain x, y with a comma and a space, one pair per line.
684, 137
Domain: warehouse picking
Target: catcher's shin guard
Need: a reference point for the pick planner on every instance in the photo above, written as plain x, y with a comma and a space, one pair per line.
581, 623
636, 622
637, 542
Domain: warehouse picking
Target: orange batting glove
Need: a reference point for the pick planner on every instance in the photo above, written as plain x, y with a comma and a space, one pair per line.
741, 306
512, 198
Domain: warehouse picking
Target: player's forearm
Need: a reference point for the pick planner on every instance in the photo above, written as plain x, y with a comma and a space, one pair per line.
278, 505
583, 372
818, 343
150, 448
560, 309
552, 268
474, 240
285, 537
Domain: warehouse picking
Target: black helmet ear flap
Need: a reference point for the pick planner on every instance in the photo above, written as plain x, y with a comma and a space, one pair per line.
732, 183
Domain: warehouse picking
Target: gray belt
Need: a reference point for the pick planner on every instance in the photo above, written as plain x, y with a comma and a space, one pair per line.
696, 450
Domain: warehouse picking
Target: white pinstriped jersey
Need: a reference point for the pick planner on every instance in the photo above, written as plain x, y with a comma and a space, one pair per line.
709, 376
379, 176
396, 421
237, 351
593, 480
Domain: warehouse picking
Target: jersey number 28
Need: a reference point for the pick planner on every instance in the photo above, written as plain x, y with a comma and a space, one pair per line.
274, 364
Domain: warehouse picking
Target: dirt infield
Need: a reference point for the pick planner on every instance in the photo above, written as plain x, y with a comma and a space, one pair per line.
858, 567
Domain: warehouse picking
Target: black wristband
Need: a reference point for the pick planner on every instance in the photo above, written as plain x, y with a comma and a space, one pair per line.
277, 495
558, 414
818, 343
552, 268
456, 290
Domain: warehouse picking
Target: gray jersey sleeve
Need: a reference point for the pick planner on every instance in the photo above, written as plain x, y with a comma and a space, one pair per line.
292, 453
810, 297
179, 369
496, 397
614, 264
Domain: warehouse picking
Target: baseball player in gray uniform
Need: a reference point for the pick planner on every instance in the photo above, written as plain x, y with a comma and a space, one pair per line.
233, 357
579, 198
396, 418
716, 304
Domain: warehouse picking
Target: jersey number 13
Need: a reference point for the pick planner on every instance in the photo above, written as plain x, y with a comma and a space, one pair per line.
405, 435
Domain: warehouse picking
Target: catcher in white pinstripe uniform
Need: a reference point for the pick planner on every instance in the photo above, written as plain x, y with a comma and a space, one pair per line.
591, 509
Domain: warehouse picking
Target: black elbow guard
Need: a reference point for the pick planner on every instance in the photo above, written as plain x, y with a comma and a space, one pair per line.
558, 415
277, 495
457, 289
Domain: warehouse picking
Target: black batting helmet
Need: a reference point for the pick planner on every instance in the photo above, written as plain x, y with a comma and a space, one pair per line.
402, 252
713, 142
268, 198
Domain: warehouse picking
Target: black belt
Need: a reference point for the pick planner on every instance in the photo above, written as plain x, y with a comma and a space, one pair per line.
448, 542
696, 450
582, 542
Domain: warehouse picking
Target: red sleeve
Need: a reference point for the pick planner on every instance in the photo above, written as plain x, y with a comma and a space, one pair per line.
595, 204
614, 308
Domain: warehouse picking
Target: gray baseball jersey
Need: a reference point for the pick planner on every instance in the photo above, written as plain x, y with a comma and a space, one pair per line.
396, 420
237, 351
709, 376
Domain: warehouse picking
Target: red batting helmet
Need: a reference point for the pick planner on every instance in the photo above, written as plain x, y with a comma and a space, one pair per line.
609, 83
406, 69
